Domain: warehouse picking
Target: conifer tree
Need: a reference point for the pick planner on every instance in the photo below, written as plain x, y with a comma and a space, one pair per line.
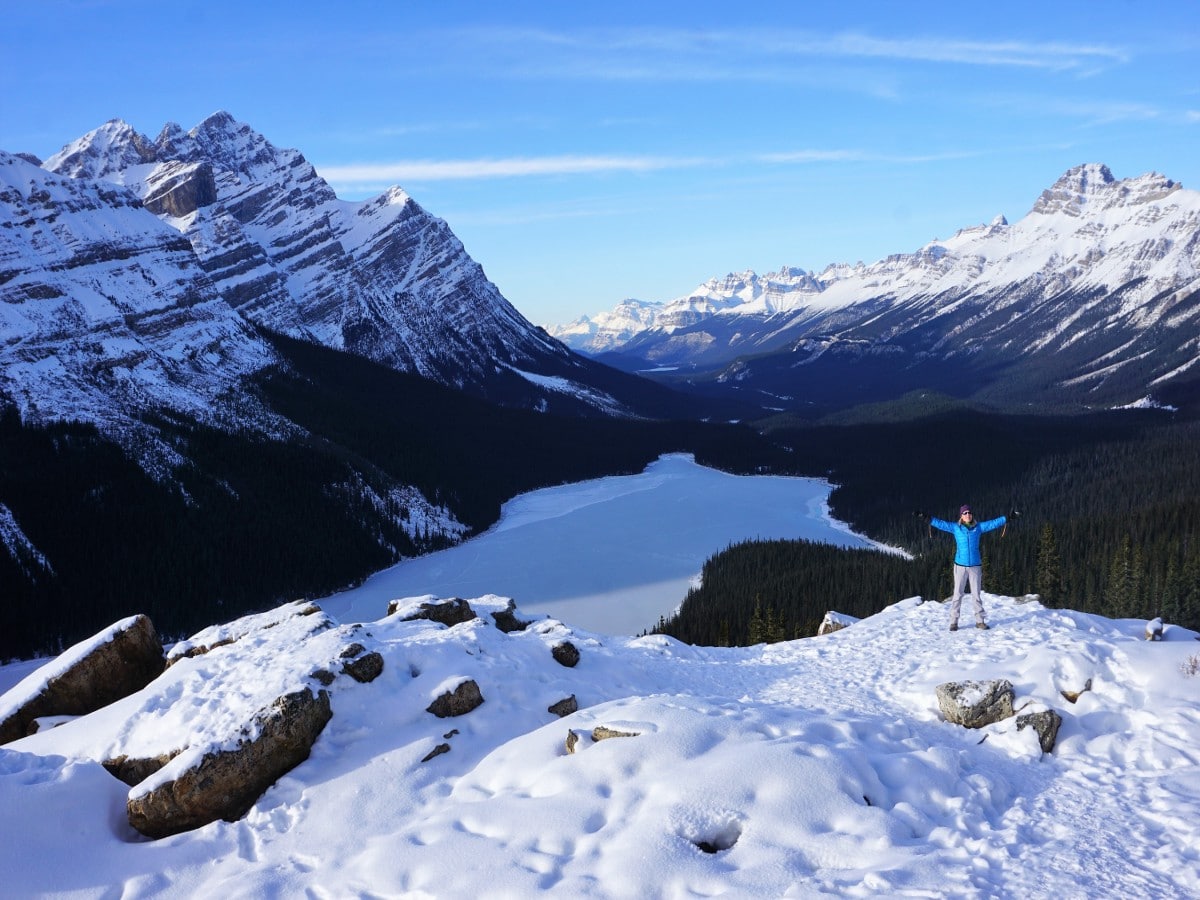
1118, 594
758, 623
1048, 580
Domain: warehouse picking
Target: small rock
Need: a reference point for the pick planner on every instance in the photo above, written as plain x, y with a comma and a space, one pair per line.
1072, 696
458, 702
1154, 630
834, 621
507, 621
436, 751
603, 733
564, 707
450, 612
1045, 723
364, 668
572, 740
134, 771
566, 654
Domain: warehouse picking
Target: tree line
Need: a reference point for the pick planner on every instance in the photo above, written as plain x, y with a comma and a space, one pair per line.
1109, 523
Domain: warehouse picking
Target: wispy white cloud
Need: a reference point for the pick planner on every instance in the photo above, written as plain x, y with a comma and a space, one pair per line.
756, 53
414, 170
380, 175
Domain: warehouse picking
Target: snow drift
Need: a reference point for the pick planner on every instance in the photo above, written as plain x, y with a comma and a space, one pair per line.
818, 766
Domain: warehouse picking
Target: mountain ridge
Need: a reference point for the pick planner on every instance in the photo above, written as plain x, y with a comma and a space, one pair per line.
1101, 274
381, 278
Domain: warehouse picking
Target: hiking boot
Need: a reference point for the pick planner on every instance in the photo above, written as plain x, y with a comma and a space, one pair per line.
954, 626
982, 626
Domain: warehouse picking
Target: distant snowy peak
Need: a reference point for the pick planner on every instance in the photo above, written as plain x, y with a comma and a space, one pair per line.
1094, 292
1093, 185
1087, 230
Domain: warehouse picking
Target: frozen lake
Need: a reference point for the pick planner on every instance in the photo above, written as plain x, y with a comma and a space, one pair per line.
613, 554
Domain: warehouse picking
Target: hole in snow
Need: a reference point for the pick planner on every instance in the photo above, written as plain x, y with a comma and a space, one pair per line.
720, 839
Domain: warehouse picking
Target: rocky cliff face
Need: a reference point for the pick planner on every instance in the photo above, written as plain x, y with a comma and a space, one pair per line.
380, 278
105, 312
1093, 296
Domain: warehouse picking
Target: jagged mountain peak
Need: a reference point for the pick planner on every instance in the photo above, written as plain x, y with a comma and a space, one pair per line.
103, 151
1093, 184
381, 278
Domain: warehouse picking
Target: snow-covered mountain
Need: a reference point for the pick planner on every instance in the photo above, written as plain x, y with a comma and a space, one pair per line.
267, 236
816, 767
1094, 295
104, 310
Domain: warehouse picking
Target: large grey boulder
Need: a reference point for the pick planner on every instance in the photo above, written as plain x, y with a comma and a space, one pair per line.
974, 704
94, 673
224, 784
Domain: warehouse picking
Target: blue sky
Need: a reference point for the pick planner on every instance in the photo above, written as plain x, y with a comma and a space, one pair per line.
585, 153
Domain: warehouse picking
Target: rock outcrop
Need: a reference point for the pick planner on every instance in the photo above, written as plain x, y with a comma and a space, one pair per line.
224, 784
450, 612
91, 675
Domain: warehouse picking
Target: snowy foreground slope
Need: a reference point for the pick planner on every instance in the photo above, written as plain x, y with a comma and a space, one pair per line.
820, 766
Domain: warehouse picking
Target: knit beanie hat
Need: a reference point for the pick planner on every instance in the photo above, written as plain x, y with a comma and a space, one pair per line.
963, 510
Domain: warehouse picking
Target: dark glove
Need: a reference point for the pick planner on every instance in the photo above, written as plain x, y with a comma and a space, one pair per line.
1014, 514
923, 516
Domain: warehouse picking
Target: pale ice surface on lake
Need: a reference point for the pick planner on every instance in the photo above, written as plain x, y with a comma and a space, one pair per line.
613, 554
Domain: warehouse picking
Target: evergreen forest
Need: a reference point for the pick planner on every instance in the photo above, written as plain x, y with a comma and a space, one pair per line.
1108, 522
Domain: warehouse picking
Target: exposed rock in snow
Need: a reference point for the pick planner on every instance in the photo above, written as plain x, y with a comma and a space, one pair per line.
115, 663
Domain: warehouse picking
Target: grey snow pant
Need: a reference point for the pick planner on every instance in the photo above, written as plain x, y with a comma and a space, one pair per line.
963, 574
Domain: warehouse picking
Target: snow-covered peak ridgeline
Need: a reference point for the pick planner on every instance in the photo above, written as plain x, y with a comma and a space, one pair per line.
1092, 268
813, 767
105, 311
380, 278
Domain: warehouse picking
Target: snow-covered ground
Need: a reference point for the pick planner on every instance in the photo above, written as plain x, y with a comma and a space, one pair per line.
612, 554
818, 767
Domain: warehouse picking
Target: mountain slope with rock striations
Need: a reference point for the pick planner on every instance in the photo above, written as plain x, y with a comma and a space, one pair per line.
105, 311
380, 278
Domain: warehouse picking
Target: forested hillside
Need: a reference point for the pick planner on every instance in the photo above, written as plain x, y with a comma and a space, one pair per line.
248, 522
1109, 522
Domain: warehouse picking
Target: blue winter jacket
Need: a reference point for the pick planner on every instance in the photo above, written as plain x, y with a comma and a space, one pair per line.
966, 539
